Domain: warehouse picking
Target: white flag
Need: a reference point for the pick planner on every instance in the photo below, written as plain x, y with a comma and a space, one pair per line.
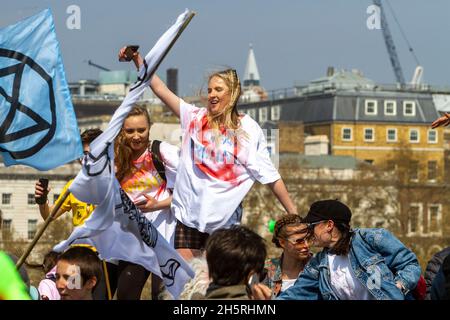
117, 228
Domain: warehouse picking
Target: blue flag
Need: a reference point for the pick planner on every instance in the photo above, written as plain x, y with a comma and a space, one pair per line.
38, 127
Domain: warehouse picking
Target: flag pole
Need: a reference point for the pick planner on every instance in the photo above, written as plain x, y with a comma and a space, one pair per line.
38, 235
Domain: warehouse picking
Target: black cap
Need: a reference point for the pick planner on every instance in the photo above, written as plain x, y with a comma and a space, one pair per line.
328, 210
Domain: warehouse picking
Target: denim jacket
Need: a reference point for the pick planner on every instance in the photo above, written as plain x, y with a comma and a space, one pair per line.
377, 258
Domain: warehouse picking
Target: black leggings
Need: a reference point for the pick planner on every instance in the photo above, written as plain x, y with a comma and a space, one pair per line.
131, 280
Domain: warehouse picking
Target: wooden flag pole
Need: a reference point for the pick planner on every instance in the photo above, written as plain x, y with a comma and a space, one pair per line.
38, 235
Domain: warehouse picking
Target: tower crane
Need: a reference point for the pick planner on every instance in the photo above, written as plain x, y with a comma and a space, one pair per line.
390, 46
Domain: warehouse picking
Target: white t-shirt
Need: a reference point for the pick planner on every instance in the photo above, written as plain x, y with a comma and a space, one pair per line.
286, 284
344, 282
217, 171
147, 180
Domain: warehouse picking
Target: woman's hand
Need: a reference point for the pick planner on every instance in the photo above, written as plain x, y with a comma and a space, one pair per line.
137, 59
442, 121
148, 205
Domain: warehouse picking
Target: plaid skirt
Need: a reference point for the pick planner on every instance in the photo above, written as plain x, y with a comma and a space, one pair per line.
189, 238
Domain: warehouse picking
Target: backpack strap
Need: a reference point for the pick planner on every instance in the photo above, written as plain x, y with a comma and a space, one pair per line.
157, 160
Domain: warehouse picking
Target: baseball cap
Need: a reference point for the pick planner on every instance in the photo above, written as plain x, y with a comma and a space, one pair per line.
328, 210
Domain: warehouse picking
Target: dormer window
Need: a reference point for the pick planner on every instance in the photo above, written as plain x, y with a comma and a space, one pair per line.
371, 107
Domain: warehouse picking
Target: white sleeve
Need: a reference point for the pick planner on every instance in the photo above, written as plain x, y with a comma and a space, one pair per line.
259, 163
170, 155
186, 113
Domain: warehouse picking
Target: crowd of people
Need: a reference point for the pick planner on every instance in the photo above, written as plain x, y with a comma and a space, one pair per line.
193, 196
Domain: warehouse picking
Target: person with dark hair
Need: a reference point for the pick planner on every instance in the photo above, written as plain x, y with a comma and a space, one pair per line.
440, 288
235, 258
290, 234
78, 272
80, 210
47, 287
223, 153
360, 264
433, 267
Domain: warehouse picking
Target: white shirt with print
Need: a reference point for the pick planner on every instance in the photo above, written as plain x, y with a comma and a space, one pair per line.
216, 171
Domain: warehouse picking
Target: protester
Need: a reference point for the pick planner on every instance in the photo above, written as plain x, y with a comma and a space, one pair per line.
235, 258
360, 264
12, 286
290, 234
80, 212
146, 171
433, 267
47, 287
440, 288
223, 153
78, 272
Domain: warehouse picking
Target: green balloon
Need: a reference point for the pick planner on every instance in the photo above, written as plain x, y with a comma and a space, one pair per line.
271, 225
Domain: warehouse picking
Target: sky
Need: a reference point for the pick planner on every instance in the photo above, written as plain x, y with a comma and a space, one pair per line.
294, 40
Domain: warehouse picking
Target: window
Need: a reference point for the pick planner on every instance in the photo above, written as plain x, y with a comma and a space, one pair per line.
252, 113
432, 170
275, 113
434, 218
391, 134
263, 114
414, 219
6, 198
390, 107
347, 134
32, 227
369, 134
409, 108
55, 197
30, 200
432, 136
414, 136
7, 225
414, 170
371, 107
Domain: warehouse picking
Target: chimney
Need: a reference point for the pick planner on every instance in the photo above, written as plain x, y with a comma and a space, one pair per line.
172, 80
330, 71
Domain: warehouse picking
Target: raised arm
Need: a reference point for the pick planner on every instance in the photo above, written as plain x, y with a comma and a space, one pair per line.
160, 89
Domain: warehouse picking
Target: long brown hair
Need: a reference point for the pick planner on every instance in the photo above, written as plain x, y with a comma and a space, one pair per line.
123, 154
342, 246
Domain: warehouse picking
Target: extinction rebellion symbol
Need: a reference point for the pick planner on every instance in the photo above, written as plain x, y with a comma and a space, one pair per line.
17, 70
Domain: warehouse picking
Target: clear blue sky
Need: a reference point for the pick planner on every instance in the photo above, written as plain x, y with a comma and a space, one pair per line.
293, 40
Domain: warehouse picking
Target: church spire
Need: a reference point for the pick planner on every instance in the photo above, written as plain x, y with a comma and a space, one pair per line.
251, 75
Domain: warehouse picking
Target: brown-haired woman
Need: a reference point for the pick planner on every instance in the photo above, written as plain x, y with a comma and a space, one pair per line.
147, 186
290, 234
223, 153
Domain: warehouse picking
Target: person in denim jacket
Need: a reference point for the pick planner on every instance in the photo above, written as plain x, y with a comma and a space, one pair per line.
360, 264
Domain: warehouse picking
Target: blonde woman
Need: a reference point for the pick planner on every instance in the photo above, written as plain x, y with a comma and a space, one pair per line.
223, 153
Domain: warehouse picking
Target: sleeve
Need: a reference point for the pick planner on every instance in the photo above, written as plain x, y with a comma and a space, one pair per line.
171, 157
45, 290
306, 287
402, 261
66, 204
259, 163
186, 113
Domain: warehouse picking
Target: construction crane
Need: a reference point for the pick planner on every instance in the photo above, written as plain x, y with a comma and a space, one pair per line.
97, 66
390, 46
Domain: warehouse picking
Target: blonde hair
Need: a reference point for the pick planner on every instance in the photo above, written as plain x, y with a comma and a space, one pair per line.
122, 151
229, 116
